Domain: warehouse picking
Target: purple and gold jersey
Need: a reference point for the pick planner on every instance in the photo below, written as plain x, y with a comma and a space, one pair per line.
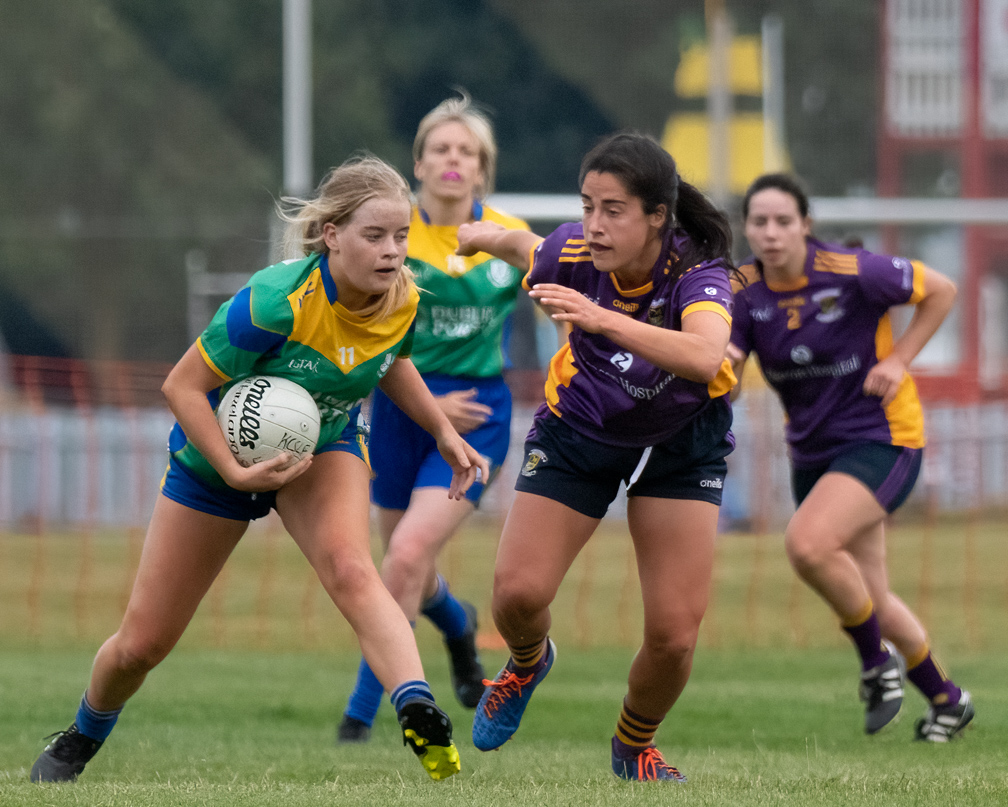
817, 340
599, 388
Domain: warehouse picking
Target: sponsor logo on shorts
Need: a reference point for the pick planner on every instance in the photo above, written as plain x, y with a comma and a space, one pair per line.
535, 459
712, 483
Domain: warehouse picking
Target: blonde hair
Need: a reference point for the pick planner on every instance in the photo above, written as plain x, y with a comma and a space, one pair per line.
344, 189
463, 110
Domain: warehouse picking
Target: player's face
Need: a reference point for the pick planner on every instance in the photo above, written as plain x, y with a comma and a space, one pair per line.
622, 238
366, 253
449, 167
776, 231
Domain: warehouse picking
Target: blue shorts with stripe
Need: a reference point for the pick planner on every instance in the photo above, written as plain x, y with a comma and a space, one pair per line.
404, 456
564, 465
888, 471
181, 485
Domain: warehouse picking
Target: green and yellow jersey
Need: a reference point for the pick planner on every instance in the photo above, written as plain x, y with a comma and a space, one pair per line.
463, 301
287, 322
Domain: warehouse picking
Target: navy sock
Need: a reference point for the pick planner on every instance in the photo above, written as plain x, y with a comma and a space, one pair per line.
446, 612
94, 724
410, 691
366, 696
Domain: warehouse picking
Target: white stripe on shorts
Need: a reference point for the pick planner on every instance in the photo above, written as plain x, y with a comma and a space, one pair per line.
640, 467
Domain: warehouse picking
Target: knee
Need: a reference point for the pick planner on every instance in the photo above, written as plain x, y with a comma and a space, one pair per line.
138, 654
517, 599
672, 644
805, 552
405, 560
347, 579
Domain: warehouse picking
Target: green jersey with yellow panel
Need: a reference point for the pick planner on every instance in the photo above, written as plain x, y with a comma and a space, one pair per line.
463, 301
286, 321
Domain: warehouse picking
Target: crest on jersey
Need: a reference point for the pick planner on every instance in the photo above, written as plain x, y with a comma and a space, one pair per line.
499, 273
535, 459
455, 265
622, 361
828, 301
386, 364
656, 313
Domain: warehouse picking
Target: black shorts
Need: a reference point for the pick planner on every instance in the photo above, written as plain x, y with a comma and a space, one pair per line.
585, 475
888, 471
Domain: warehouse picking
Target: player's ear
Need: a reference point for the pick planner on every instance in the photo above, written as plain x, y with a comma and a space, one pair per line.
330, 234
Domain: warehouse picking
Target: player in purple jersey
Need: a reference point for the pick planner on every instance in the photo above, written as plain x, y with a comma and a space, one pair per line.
638, 394
816, 316
357, 225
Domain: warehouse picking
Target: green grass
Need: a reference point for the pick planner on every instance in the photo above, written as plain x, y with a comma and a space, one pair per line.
244, 711
755, 727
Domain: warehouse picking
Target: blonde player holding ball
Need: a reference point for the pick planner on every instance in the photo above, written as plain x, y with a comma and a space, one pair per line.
338, 322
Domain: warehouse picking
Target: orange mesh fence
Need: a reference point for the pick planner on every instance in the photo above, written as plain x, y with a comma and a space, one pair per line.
82, 449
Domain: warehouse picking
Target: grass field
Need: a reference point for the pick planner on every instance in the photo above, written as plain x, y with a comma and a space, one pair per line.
243, 712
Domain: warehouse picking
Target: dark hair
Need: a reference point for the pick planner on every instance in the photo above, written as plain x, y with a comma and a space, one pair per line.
782, 182
648, 172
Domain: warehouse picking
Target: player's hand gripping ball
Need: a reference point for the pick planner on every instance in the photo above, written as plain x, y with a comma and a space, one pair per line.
264, 416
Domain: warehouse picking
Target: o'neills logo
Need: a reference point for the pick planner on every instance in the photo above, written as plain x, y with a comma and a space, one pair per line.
248, 418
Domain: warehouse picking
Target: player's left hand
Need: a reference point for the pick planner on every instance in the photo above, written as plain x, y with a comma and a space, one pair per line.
567, 305
467, 464
884, 379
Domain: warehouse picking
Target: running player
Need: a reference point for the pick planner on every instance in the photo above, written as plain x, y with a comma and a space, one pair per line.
816, 316
638, 394
337, 322
457, 349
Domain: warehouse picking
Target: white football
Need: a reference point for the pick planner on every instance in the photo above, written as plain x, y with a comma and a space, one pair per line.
264, 415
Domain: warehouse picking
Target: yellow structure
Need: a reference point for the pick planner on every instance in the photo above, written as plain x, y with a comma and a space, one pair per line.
687, 135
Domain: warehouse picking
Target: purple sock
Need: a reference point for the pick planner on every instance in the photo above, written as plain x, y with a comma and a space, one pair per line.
933, 683
867, 638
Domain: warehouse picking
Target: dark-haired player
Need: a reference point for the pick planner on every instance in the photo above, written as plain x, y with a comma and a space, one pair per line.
816, 316
638, 395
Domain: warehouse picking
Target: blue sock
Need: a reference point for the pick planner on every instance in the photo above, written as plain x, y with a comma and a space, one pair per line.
366, 696
94, 724
446, 612
410, 691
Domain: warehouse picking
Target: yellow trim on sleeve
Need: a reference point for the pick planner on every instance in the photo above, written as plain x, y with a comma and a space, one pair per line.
919, 270
209, 361
707, 305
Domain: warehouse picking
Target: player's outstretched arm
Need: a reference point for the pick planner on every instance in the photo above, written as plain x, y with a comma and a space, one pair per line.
186, 389
512, 246
407, 390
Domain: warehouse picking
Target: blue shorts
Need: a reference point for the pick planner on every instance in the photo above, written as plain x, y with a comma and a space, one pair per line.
183, 486
584, 474
404, 456
888, 471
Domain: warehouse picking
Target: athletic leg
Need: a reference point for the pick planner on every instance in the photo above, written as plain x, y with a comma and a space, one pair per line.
841, 517
674, 544
326, 511
183, 552
540, 541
